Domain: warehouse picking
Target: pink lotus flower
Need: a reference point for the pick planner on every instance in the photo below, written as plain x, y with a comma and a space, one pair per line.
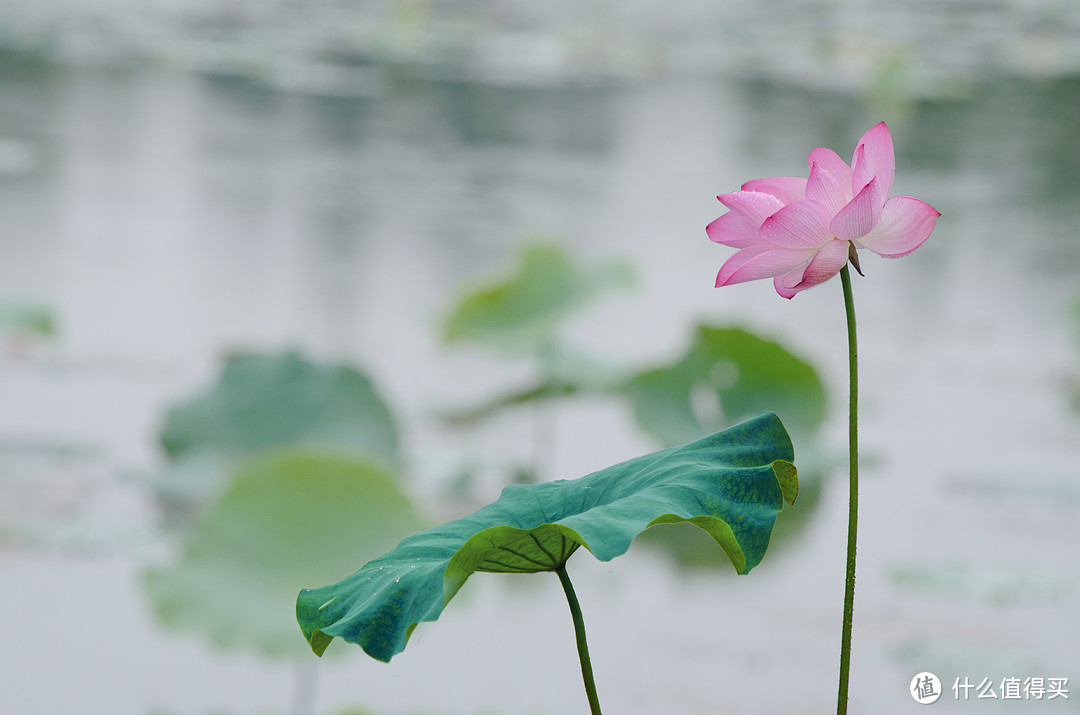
801, 232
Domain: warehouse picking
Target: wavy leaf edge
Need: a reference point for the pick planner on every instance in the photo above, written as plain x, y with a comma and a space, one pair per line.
369, 607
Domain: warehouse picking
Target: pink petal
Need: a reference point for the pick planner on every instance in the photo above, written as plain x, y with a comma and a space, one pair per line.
801, 225
783, 290
732, 229
905, 223
761, 261
824, 188
754, 205
786, 188
793, 278
874, 158
859, 216
831, 162
877, 198
825, 264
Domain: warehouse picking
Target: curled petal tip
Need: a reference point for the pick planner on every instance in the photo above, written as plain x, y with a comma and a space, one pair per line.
782, 290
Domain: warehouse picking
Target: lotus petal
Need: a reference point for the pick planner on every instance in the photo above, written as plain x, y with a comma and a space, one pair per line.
832, 163
905, 223
754, 205
733, 229
761, 261
860, 215
801, 225
874, 158
786, 188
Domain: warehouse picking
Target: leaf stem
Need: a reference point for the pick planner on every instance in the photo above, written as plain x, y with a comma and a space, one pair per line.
579, 633
853, 493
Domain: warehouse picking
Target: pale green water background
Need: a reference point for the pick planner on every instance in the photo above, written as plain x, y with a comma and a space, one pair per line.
168, 215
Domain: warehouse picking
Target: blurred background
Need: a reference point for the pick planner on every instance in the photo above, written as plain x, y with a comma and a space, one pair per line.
282, 282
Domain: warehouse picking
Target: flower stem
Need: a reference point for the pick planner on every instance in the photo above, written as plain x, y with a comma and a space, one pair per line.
582, 646
853, 493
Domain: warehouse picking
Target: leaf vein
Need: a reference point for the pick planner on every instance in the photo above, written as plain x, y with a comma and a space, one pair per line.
523, 557
532, 535
508, 567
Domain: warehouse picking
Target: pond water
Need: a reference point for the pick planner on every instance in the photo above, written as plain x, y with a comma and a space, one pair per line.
167, 217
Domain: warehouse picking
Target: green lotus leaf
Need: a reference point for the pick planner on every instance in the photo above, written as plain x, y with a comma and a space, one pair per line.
727, 375
287, 519
731, 484
522, 312
264, 401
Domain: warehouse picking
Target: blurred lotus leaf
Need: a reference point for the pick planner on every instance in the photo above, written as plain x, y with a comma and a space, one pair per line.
523, 312
565, 373
26, 320
727, 375
264, 401
287, 519
731, 485
183, 486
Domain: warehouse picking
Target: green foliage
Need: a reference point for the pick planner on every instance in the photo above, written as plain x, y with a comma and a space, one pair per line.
264, 401
288, 519
727, 375
27, 320
731, 485
689, 547
523, 312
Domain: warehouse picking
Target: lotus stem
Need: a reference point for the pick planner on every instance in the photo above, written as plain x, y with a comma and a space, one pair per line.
853, 492
579, 633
